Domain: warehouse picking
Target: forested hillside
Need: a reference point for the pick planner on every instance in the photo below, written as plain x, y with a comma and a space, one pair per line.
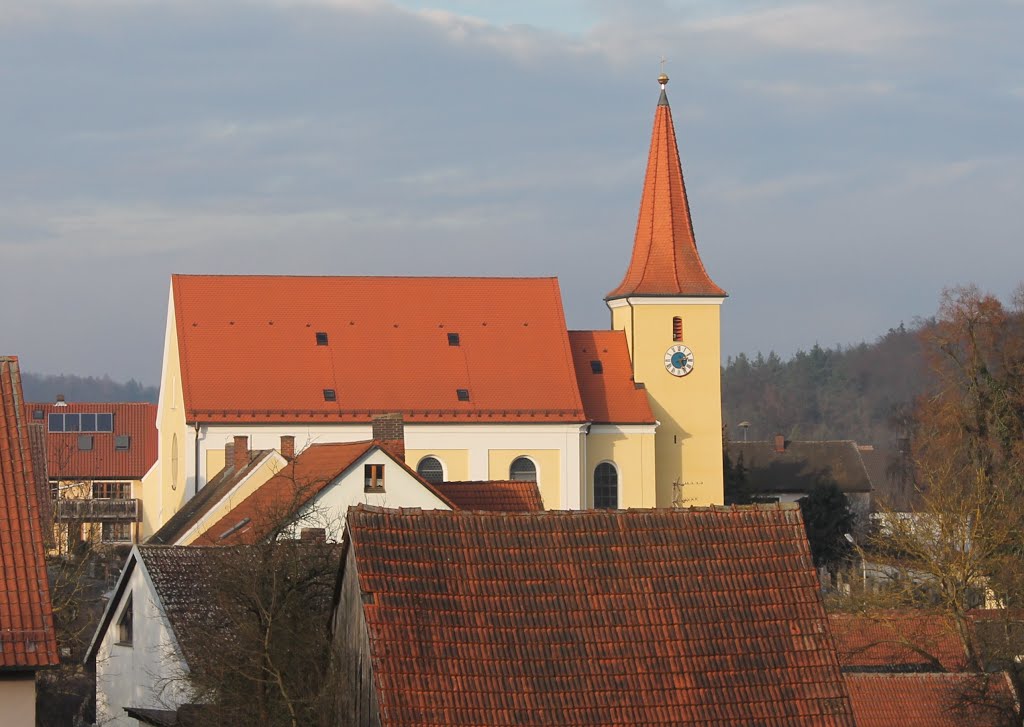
84, 388
861, 392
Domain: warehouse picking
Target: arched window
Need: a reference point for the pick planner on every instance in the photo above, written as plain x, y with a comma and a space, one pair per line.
606, 487
523, 470
431, 470
677, 329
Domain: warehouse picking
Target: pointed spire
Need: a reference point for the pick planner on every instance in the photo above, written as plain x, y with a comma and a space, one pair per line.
665, 259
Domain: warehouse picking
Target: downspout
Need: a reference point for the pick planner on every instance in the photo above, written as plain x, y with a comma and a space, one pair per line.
195, 481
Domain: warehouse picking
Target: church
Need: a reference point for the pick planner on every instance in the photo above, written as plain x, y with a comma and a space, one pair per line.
489, 382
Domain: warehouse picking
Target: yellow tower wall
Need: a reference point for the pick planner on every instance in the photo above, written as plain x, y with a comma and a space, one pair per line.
688, 440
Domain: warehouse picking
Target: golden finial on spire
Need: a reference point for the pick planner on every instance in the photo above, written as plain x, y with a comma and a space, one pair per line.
663, 79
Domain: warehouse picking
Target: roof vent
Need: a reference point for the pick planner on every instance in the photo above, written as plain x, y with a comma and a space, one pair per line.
321, 338
330, 395
596, 367
453, 339
463, 394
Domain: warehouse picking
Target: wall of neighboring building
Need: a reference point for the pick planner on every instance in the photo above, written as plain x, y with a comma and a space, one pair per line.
18, 698
148, 672
356, 694
688, 408
330, 507
631, 449
92, 532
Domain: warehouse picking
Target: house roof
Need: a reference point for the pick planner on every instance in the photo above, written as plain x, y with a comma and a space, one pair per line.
696, 616
249, 351
610, 395
27, 637
897, 641
931, 700
207, 498
286, 492
802, 466
66, 460
493, 495
665, 259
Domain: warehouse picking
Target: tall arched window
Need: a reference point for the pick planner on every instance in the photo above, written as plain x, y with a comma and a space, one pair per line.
431, 470
523, 470
606, 487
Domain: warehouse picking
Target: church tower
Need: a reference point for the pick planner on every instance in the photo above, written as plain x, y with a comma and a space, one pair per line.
669, 308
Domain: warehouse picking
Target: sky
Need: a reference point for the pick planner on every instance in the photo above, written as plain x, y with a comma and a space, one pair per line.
845, 160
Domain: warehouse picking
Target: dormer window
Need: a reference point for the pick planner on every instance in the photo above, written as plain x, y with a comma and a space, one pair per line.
124, 624
462, 394
330, 395
453, 339
321, 338
596, 367
122, 442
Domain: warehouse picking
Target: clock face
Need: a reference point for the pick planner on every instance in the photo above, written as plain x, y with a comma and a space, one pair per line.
679, 360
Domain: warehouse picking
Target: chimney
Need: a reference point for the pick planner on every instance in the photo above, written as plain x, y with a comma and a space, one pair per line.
313, 535
241, 453
60, 400
389, 430
780, 444
288, 447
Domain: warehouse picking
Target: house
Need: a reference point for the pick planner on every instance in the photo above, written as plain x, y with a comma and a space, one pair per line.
933, 700
668, 616
490, 383
28, 640
783, 470
97, 455
898, 641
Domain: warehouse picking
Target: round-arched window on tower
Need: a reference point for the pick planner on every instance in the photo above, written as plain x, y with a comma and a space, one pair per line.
431, 470
523, 470
606, 487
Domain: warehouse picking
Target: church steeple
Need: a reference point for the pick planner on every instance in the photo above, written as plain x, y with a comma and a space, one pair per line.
665, 260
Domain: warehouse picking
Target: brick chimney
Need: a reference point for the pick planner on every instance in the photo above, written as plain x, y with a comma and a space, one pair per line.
780, 444
288, 447
389, 430
241, 453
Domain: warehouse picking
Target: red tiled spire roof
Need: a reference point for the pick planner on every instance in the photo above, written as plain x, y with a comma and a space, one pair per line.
665, 259
27, 639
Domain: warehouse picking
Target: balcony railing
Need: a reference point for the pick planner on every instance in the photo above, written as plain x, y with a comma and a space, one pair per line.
97, 510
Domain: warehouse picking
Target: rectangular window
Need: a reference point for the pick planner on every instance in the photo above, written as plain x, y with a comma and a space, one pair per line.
88, 422
124, 624
677, 329
85, 442
56, 422
72, 423
37, 413
596, 367
321, 338
453, 339
111, 490
462, 394
330, 395
117, 533
122, 442
373, 478
104, 422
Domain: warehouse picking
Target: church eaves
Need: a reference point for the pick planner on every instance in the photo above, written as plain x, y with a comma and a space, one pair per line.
665, 261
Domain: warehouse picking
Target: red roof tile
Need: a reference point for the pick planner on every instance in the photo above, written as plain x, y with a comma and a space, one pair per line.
27, 638
902, 640
609, 395
286, 492
66, 461
493, 495
665, 259
249, 351
656, 617
931, 700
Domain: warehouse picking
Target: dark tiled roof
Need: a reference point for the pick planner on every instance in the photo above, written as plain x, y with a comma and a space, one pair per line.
207, 498
609, 395
802, 466
654, 617
493, 495
27, 637
897, 641
104, 460
931, 700
37, 441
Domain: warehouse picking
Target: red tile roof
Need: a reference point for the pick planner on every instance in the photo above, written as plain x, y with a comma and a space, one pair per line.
286, 492
27, 638
931, 700
610, 396
65, 461
903, 640
655, 617
249, 351
493, 495
665, 259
